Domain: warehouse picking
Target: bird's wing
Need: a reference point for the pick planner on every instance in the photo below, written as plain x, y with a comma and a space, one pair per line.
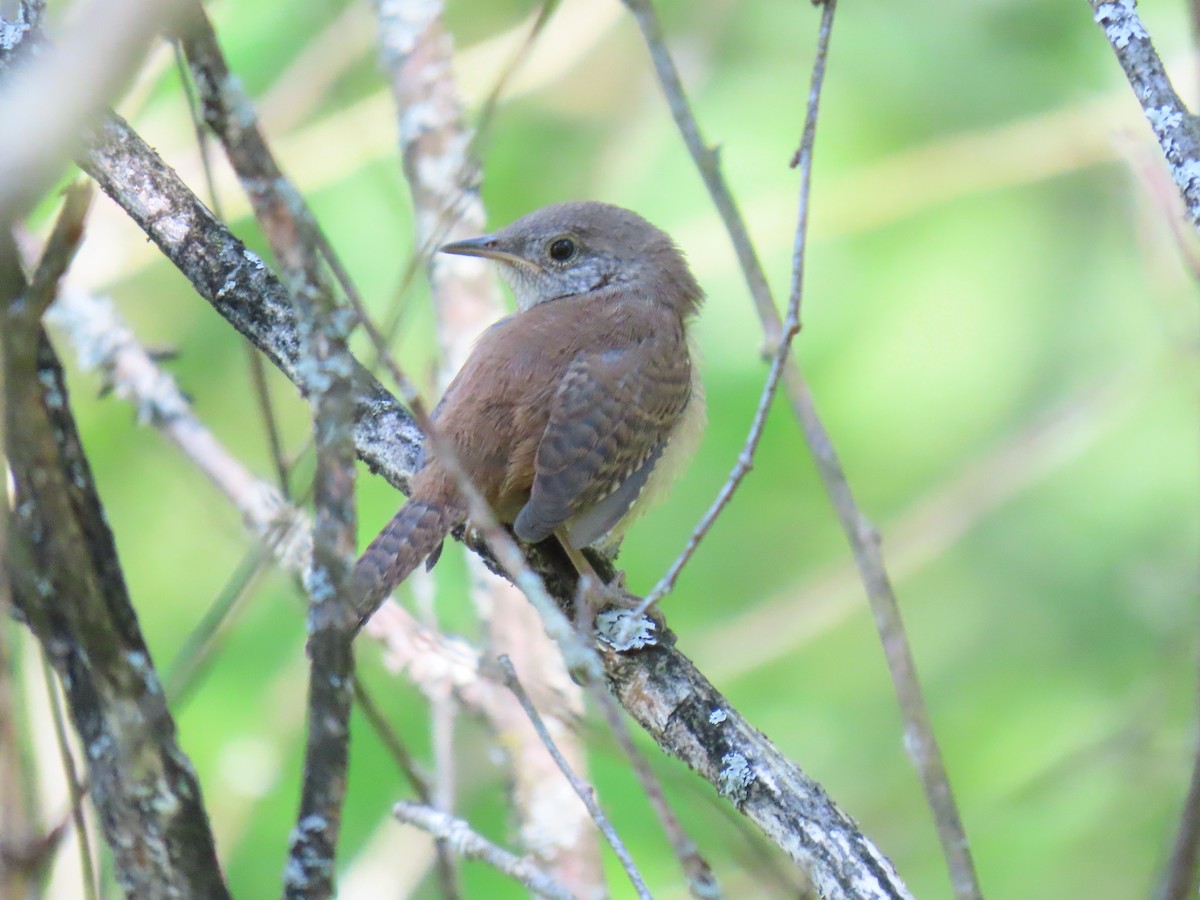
609, 421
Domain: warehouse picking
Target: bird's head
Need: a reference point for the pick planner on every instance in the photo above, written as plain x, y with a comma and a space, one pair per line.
582, 247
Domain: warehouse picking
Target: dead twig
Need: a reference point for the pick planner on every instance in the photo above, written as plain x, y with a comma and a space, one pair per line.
863, 538
462, 839
584, 791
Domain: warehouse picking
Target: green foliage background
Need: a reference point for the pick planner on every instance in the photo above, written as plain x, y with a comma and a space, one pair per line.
999, 331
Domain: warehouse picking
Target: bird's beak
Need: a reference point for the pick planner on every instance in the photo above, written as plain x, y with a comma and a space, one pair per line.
489, 246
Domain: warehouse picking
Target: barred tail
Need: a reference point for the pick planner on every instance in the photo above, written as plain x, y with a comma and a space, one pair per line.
413, 534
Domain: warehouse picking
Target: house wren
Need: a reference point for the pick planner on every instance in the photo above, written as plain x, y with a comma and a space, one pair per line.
570, 412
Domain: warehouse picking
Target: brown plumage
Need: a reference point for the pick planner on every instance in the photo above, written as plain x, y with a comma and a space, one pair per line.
565, 409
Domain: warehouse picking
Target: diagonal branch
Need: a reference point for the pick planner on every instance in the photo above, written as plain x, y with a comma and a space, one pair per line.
1176, 130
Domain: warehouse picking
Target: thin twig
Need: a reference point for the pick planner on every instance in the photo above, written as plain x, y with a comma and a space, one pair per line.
707, 161
788, 330
488, 110
862, 537
448, 878
702, 882
1179, 881
744, 462
403, 757
266, 409
474, 846
584, 791
75, 790
203, 641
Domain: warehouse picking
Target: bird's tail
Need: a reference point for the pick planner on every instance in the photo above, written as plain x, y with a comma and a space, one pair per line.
413, 534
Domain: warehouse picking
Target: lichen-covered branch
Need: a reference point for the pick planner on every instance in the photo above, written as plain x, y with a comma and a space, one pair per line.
690, 719
239, 285
1176, 130
324, 330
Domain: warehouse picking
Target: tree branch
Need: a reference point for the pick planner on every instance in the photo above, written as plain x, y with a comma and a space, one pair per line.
1176, 130
462, 839
69, 588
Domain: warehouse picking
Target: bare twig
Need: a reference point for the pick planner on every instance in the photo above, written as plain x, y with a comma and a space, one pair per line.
863, 538
75, 790
702, 883
473, 846
707, 161
583, 790
1176, 130
201, 642
744, 462
266, 410
447, 871
1179, 881
501, 83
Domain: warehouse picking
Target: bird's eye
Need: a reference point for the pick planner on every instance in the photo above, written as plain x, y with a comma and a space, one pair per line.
562, 249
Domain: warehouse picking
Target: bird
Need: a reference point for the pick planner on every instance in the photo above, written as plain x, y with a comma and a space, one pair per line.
571, 414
